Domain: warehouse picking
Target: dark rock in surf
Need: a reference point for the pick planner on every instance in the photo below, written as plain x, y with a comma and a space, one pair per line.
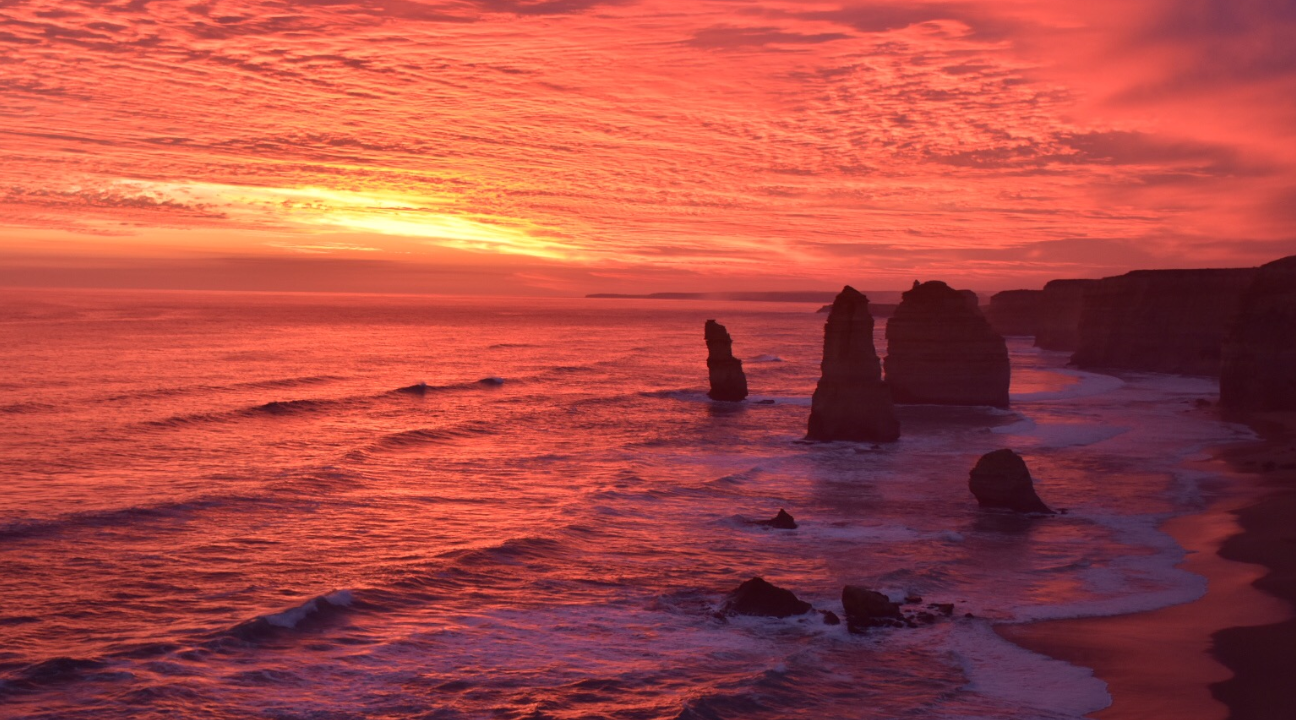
759, 598
942, 351
782, 521
851, 402
1258, 371
1002, 480
868, 608
830, 617
728, 382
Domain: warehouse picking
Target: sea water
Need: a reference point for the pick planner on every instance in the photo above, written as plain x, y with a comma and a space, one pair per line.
223, 505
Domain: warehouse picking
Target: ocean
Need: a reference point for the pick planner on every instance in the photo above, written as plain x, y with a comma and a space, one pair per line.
240, 505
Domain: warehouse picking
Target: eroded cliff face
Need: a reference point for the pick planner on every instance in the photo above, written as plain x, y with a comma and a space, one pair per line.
1258, 368
1171, 321
941, 350
851, 402
728, 381
1015, 312
1059, 314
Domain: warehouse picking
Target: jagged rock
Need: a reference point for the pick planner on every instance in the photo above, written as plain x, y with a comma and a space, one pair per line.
782, 521
1002, 480
941, 350
728, 382
1258, 370
1059, 316
757, 597
851, 402
1015, 312
1171, 321
830, 617
868, 608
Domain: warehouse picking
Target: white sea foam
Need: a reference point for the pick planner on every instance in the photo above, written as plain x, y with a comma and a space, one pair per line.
1088, 385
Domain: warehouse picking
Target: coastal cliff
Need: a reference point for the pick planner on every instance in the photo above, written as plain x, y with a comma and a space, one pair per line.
941, 350
1058, 325
851, 402
1015, 312
1258, 368
1171, 321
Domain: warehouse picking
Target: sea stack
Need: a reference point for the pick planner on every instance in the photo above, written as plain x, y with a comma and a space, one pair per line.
1059, 314
728, 382
942, 351
1170, 321
851, 402
1015, 312
1258, 370
1002, 480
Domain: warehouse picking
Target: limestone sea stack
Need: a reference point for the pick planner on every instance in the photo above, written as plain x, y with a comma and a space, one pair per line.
728, 382
1002, 480
1059, 314
1015, 312
1170, 321
1258, 370
942, 351
851, 402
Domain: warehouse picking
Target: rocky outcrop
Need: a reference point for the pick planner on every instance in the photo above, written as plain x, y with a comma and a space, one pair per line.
1170, 321
760, 598
1258, 368
941, 350
868, 608
1015, 312
1059, 314
851, 402
728, 381
1002, 480
782, 521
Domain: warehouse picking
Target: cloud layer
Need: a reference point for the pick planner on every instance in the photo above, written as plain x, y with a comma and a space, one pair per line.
987, 142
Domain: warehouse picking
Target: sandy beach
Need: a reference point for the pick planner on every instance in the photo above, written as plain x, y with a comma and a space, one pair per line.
1231, 653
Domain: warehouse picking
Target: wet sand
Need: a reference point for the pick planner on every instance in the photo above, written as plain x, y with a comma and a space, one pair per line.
1229, 654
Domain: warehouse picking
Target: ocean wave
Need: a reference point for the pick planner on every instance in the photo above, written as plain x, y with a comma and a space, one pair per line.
765, 359
37, 527
314, 612
53, 671
423, 436
24, 407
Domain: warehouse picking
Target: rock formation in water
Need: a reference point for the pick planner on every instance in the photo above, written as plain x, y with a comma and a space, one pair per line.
1259, 355
851, 402
1002, 480
782, 521
1059, 314
941, 350
868, 608
1015, 312
760, 598
1171, 321
728, 382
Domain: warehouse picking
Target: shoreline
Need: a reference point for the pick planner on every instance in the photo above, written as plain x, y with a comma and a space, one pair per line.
1232, 652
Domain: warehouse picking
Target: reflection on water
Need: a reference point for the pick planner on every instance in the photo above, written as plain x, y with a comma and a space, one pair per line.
233, 506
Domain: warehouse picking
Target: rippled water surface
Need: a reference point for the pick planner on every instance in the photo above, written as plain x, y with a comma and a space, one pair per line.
301, 506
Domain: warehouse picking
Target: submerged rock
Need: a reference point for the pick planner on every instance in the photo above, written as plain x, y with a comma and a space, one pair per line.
851, 402
728, 382
757, 597
782, 521
867, 608
942, 351
1258, 371
1002, 480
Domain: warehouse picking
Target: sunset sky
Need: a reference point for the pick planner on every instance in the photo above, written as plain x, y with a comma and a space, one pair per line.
572, 146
